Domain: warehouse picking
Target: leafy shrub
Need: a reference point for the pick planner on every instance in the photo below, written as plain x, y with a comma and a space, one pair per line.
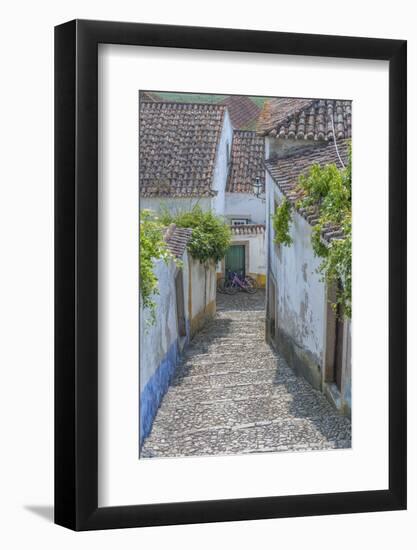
281, 220
210, 237
329, 190
152, 247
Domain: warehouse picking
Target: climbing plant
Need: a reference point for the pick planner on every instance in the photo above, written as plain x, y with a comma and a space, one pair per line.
152, 247
329, 190
281, 220
210, 237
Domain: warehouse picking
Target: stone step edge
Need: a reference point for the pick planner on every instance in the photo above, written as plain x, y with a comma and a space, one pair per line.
238, 427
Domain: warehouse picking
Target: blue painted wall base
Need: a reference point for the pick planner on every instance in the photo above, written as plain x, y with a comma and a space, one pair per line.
155, 389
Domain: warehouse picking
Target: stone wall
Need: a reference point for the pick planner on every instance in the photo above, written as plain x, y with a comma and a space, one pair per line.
202, 294
160, 344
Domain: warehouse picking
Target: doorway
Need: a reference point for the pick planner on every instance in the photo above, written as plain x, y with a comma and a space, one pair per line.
271, 311
179, 292
334, 340
338, 352
235, 260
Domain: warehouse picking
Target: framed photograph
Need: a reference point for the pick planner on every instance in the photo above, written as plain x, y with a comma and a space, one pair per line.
230, 284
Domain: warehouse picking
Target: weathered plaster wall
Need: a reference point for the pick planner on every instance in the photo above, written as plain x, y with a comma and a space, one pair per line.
245, 205
159, 344
300, 296
202, 294
221, 167
280, 147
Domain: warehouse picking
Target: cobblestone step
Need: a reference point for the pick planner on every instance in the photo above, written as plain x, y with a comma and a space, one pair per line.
225, 378
223, 351
284, 435
205, 367
233, 394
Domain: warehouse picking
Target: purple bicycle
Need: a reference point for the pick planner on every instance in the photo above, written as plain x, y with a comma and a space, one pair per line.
235, 283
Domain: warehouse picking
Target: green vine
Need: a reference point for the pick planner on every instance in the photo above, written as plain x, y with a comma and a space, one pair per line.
211, 236
281, 220
329, 190
152, 247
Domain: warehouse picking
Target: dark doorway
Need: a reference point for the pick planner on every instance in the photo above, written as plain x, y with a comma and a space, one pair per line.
179, 291
235, 260
338, 352
271, 311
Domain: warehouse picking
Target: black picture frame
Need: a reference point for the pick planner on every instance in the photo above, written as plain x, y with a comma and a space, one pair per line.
76, 272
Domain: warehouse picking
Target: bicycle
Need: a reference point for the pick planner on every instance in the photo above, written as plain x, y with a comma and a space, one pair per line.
235, 283
221, 283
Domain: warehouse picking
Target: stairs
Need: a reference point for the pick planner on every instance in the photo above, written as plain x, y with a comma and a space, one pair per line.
233, 394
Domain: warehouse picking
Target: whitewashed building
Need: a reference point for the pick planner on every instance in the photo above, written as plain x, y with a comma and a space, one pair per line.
184, 155
245, 211
301, 322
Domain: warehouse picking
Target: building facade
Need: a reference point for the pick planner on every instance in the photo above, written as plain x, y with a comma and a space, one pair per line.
184, 156
300, 319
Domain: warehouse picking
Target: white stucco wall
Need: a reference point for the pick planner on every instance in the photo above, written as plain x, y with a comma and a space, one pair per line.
224, 148
280, 147
203, 286
300, 291
245, 205
156, 340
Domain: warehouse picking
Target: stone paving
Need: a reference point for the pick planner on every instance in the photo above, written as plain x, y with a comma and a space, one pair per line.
233, 394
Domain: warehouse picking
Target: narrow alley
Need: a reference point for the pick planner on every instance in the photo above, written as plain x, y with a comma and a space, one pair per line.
233, 394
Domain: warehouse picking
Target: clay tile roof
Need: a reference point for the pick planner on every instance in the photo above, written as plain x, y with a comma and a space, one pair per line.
286, 172
248, 152
248, 229
177, 239
177, 148
242, 110
306, 119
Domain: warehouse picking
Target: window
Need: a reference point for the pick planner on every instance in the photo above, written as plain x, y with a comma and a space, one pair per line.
239, 221
228, 153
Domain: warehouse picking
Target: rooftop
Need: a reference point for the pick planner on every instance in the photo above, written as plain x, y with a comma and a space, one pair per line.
177, 148
248, 229
248, 151
177, 239
286, 171
242, 110
306, 119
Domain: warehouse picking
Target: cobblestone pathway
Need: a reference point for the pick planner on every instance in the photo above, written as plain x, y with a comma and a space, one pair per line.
232, 394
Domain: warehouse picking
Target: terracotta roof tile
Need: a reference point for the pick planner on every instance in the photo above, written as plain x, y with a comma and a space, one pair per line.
248, 229
306, 119
248, 152
177, 148
286, 171
177, 239
242, 110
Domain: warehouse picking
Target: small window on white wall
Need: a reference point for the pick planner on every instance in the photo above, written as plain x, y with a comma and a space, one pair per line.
240, 221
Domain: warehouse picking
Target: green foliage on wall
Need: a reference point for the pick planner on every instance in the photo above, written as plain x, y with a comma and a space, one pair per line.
281, 220
152, 247
211, 235
329, 190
